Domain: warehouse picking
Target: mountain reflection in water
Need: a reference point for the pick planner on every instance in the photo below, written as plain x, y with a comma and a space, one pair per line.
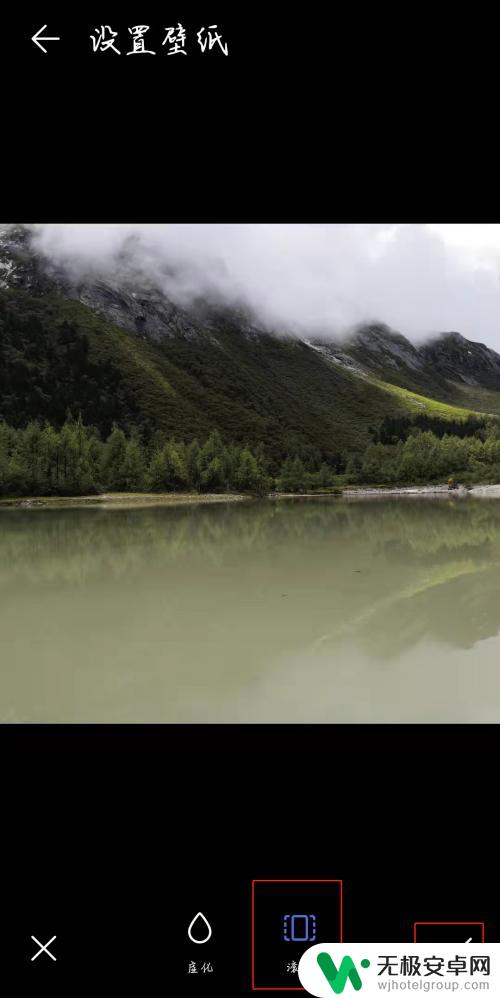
322, 610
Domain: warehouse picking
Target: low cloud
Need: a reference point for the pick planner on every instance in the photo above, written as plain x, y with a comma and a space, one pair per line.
306, 278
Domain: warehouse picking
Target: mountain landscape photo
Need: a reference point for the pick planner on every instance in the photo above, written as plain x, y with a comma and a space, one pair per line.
110, 349
241, 464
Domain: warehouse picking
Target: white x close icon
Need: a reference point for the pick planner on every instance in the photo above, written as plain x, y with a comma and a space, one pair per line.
44, 948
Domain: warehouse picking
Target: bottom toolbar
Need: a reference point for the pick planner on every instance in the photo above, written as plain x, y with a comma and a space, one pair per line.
261, 934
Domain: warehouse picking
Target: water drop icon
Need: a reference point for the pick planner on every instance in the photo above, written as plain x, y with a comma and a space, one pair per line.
200, 930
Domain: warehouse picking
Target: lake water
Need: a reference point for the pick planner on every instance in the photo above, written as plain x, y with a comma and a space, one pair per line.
313, 610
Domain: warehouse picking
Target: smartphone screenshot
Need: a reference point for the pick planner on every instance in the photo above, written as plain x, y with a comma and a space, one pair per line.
249, 542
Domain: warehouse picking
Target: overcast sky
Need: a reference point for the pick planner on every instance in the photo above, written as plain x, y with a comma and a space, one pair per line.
419, 279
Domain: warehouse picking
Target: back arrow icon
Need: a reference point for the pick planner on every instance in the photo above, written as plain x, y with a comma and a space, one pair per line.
38, 41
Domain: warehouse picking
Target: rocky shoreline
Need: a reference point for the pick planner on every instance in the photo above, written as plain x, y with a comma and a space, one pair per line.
375, 492
123, 500
410, 490
425, 490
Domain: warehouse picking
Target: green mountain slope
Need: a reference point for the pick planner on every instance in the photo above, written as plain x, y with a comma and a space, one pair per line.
448, 368
418, 404
57, 354
478, 398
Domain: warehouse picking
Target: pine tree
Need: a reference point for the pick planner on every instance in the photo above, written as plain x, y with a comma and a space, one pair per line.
211, 451
18, 483
50, 455
31, 456
132, 469
324, 476
156, 472
193, 467
5, 445
114, 459
212, 478
249, 477
292, 477
175, 465
353, 468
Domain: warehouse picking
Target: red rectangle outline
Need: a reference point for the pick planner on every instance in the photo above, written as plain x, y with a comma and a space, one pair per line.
446, 923
254, 988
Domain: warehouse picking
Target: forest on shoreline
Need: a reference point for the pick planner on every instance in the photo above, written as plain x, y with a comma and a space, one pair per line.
73, 460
